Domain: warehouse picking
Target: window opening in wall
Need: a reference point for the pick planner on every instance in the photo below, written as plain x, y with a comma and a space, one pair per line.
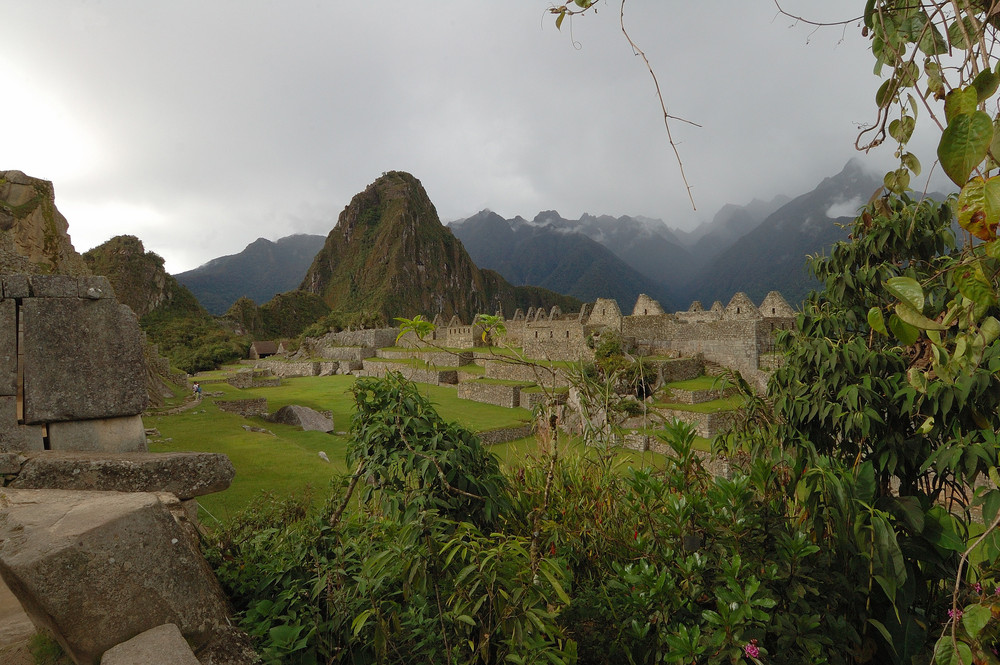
737, 310
550, 334
536, 334
772, 310
645, 312
567, 334
602, 311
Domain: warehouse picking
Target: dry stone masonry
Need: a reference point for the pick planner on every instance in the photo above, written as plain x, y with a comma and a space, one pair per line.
58, 331
97, 539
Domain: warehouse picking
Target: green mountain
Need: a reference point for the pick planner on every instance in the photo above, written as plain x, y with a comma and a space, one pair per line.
389, 255
139, 279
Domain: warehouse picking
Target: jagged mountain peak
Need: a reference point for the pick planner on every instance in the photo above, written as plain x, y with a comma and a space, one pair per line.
389, 255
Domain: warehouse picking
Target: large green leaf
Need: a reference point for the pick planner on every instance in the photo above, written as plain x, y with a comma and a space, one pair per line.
875, 320
916, 319
979, 207
908, 290
964, 143
960, 102
904, 332
986, 83
948, 652
972, 284
975, 618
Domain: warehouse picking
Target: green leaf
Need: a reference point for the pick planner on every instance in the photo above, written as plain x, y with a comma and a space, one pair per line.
902, 128
559, 19
555, 585
986, 84
897, 181
975, 618
466, 619
979, 207
876, 321
972, 284
907, 290
960, 102
989, 329
911, 162
916, 319
963, 145
904, 332
947, 652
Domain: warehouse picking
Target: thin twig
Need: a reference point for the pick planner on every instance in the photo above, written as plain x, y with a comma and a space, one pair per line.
663, 105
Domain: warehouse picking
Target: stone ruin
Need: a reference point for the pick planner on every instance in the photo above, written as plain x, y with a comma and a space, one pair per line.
98, 537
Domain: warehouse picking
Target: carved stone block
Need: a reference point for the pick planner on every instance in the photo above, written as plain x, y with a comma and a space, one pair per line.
8, 347
15, 286
14, 437
112, 435
83, 359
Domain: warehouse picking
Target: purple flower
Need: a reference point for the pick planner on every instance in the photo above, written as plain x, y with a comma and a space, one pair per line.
955, 614
977, 587
751, 649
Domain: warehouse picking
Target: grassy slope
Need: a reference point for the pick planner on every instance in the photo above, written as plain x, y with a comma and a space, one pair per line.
289, 460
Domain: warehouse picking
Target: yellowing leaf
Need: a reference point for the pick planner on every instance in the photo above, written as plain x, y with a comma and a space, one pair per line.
979, 207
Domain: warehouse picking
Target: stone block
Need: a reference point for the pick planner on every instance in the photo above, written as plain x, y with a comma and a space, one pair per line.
10, 463
8, 347
15, 437
112, 435
82, 359
185, 475
15, 286
54, 286
308, 419
95, 569
163, 645
95, 286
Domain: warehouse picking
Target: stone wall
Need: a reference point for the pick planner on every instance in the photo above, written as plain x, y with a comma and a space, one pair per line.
529, 398
706, 425
429, 356
505, 434
72, 363
513, 371
373, 367
254, 406
497, 394
561, 340
287, 369
254, 379
373, 338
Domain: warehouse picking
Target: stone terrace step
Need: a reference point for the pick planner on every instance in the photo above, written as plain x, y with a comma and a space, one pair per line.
185, 475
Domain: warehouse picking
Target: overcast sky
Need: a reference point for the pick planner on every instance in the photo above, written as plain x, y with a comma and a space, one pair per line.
199, 126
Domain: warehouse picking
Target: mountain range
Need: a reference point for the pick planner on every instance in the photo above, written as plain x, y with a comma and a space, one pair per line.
755, 248
261, 271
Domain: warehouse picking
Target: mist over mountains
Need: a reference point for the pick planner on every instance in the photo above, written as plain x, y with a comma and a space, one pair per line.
755, 248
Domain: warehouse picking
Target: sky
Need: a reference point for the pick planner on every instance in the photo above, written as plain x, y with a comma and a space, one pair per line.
200, 125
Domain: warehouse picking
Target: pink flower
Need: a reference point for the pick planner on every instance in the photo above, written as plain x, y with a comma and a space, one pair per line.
977, 587
751, 649
955, 614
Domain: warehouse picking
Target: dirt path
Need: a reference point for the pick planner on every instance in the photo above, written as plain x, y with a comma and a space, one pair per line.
15, 629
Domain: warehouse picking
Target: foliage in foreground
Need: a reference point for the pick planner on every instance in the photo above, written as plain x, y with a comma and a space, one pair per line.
584, 563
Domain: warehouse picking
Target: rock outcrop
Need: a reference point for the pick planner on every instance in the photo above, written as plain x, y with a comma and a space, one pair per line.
139, 279
98, 568
34, 235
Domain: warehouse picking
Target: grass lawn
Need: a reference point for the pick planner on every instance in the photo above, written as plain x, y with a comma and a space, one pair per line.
701, 383
288, 460
713, 406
